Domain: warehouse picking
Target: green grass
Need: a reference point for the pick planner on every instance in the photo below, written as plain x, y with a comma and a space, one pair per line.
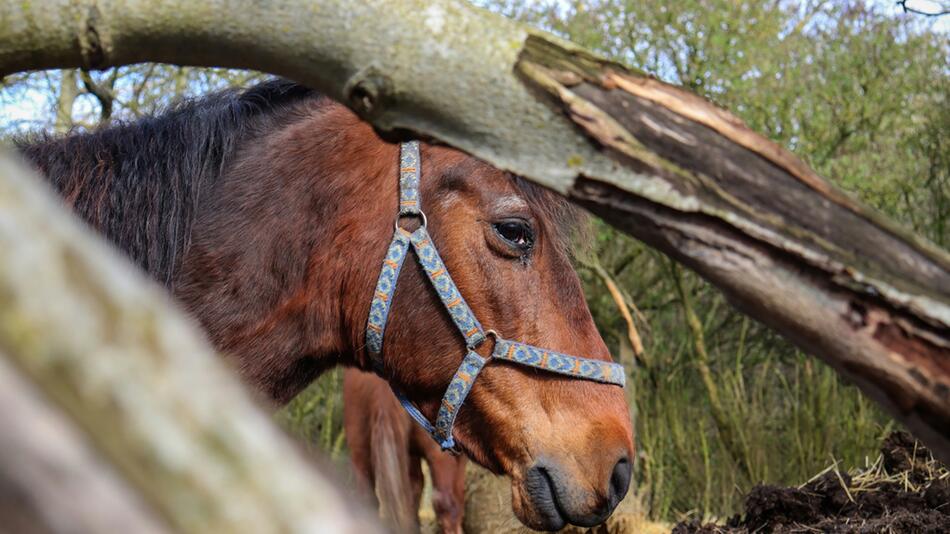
782, 415
315, 417
790, 421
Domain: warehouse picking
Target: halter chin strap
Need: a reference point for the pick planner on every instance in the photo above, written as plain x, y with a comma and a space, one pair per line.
461, 314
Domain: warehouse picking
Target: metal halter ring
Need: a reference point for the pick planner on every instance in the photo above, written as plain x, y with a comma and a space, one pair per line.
488, 333
420, 213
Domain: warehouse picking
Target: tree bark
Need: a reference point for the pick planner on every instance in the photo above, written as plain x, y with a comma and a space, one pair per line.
51, 478
658, 162
107, 347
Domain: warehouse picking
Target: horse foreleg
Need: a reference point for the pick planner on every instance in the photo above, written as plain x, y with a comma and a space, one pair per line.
448, 488
363, 477
416, 480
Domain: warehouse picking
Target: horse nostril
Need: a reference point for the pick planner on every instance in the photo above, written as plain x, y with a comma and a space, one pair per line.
620, 480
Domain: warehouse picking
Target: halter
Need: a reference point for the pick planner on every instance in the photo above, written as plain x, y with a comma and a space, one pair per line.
461, 314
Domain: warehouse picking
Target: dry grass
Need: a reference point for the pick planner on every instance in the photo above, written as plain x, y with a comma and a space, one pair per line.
924, 471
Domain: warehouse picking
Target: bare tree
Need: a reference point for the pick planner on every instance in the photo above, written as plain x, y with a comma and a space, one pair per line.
66, 98
103, 92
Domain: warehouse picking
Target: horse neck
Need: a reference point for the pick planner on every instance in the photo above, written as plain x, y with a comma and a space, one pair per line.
286, 249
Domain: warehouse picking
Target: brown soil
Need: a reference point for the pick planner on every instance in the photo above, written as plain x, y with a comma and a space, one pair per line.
905, 490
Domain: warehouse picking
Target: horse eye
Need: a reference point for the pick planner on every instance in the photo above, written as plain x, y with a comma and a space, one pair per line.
516, 232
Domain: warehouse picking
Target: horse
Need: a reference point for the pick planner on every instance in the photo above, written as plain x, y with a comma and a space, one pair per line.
386, 453
266, 211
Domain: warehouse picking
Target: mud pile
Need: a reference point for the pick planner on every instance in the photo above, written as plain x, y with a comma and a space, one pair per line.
905, 490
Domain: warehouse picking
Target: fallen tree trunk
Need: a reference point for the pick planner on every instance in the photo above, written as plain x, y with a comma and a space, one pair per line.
663, 165
148, 404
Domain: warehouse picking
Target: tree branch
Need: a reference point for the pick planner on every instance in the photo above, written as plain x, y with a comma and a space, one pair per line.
632, 335
102, 93
53, 480
942, 12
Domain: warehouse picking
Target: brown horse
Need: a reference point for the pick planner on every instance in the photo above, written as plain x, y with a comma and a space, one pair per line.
267, 213
386, 451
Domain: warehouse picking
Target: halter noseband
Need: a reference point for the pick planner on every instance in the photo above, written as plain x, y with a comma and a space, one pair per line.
461, 314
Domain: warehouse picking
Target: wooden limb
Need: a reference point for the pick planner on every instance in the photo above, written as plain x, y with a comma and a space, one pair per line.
802, 305
783, 244
51, 478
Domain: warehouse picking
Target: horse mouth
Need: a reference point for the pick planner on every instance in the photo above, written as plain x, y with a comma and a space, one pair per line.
540, 490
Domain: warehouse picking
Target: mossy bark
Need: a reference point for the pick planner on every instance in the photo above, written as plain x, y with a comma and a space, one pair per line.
51, 477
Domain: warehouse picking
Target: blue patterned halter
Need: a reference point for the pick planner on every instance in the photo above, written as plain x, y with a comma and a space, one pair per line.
461, 314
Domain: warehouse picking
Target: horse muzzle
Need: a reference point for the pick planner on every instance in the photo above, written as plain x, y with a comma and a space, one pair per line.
552, 496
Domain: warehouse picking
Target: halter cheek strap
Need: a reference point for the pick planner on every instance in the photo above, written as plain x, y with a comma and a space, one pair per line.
460, 313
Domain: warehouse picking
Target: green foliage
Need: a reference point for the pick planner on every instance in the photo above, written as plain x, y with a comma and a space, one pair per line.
859, 94
316, 415
786, 415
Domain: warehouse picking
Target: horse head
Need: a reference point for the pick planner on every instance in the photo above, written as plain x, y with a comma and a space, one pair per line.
565, 443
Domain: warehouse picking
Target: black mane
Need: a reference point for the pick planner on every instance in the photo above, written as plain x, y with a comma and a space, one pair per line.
153, 170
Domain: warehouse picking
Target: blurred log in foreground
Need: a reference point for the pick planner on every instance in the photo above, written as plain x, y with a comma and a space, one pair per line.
115, 411
51, 478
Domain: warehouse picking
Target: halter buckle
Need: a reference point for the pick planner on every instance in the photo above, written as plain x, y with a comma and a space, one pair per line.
488, 333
